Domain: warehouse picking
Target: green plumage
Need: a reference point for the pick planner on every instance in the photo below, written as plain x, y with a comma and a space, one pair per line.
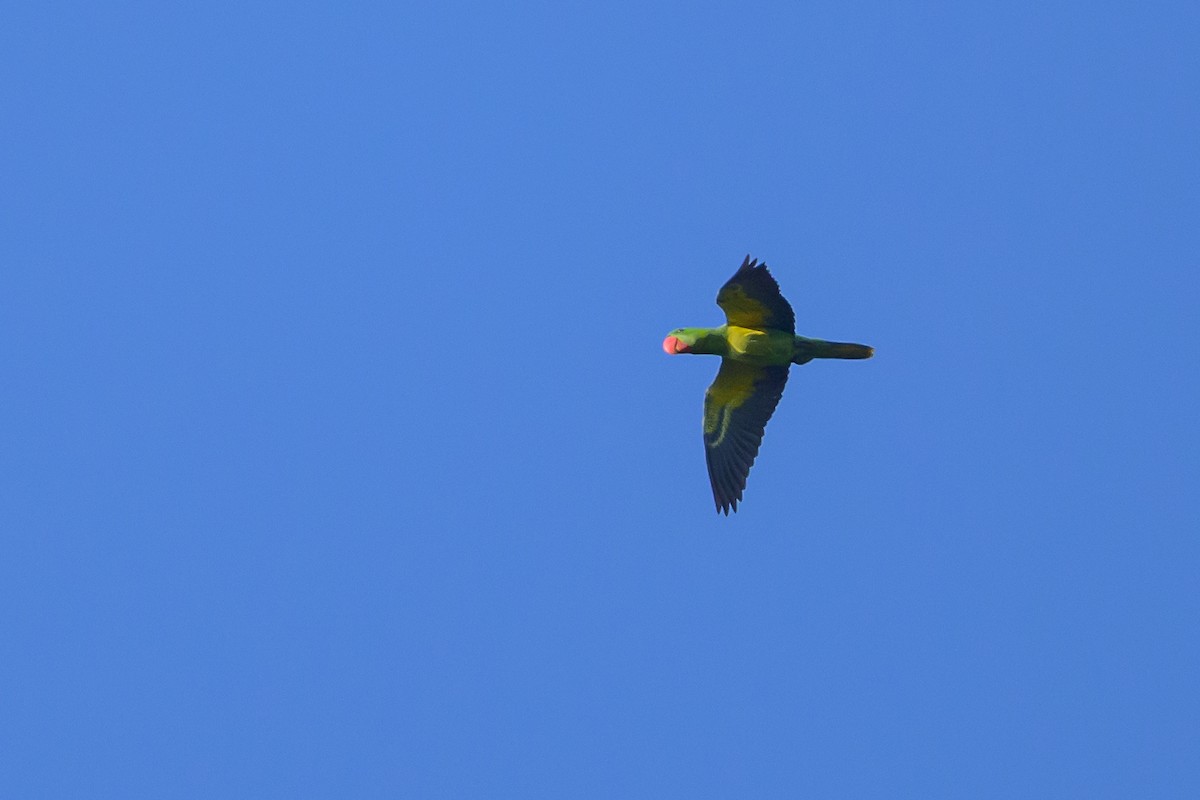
757, 345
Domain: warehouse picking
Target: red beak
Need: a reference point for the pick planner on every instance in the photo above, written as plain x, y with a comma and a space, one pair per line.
671, 346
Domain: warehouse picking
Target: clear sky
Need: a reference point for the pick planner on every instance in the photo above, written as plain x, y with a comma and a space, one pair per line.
340, 457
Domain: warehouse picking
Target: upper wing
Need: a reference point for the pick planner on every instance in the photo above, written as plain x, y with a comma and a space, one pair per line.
736, 409
751, 299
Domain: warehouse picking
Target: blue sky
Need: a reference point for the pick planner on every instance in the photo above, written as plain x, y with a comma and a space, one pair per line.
341, 458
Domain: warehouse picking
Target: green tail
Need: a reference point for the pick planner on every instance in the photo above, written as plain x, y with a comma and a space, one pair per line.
808, 349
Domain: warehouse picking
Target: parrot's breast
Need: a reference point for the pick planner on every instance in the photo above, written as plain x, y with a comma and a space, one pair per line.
759, 346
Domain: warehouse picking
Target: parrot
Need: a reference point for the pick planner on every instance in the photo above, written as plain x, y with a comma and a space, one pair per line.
757, 345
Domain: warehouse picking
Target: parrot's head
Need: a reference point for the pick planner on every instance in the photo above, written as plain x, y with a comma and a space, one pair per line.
679, 340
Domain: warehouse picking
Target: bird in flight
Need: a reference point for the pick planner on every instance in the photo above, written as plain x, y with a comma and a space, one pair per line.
757, 345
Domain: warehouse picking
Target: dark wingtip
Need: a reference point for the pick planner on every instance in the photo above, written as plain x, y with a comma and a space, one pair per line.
749, 264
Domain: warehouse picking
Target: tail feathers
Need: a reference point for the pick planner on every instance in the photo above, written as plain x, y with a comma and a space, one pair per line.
843, 350
808, 349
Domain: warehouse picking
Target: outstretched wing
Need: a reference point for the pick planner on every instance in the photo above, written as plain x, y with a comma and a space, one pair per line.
736, 409
751, 299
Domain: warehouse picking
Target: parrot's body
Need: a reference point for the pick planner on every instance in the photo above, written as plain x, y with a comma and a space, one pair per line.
757, 345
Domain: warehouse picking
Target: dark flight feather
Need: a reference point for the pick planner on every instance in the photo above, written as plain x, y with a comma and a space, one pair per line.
736, 409
751, 299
